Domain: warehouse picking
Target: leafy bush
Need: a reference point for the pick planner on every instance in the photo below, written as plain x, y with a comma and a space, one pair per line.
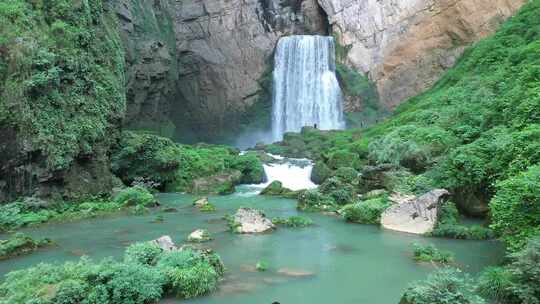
430, 253
194, 281
175, 167
313, 200
293, 221
446, 285
208, 208
135, 196
449, 226
365, 212
20, 244
496, 284
320, 172
516, 208
188, 273
142, 253
347, 175
261, 266
340, 192
20, 214
57, 86
525, 268
137, 280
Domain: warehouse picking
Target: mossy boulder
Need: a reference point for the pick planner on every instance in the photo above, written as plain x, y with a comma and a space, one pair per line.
204, 169
276, 189
340, 192
320, 172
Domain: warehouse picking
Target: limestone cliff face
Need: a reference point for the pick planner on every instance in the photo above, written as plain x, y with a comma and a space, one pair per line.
406, 45
225, 47
199, 63
147, 32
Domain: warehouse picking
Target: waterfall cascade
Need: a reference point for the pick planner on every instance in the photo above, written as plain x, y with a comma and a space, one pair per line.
306, 90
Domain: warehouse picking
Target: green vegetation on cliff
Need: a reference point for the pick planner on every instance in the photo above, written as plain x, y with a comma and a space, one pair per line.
176, 167
58, 89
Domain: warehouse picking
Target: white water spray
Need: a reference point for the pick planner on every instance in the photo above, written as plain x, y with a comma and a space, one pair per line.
306, 90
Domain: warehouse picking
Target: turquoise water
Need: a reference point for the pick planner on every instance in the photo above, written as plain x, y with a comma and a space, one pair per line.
331, 262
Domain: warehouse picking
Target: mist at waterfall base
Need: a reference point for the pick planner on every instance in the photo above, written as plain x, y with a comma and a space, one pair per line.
305, 89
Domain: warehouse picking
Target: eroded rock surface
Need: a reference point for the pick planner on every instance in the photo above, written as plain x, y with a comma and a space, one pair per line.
165, 243
418, 215
406, 45
247, 220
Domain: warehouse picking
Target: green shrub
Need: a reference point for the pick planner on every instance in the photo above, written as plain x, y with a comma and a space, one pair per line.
496, 284
449, 226
143, 253
20, 244
516, 208
261, 266
188, 273
250, 166
293, 221
175, 167
57, 86
444, 286
347, 175
365, 212
208, 208
136, 280
525, 269
313, 200
320, 172
430, 253
340, 192
194, 281
135, 196
342, 158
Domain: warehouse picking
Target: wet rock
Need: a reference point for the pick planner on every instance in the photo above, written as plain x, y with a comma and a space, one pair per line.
417, 215
201, 202
166, 243
295, 272
247, 220
217, 184
199, 236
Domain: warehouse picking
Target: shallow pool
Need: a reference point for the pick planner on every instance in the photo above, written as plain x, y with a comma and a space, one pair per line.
331, 262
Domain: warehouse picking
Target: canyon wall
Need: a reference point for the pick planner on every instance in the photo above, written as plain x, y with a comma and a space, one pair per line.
406, 45
202, 66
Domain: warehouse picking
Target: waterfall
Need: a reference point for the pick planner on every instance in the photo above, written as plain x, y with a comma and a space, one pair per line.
306, 90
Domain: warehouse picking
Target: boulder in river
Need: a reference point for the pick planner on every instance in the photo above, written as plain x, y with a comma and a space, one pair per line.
248, 220
199, 236
165, 243
203, 201
414, 215
295, 272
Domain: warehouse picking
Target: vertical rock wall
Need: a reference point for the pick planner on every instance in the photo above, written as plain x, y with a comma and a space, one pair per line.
406, 45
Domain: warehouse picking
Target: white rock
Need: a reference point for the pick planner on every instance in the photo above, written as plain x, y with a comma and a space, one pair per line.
166, 243
247, 220
199, 236
416, 216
